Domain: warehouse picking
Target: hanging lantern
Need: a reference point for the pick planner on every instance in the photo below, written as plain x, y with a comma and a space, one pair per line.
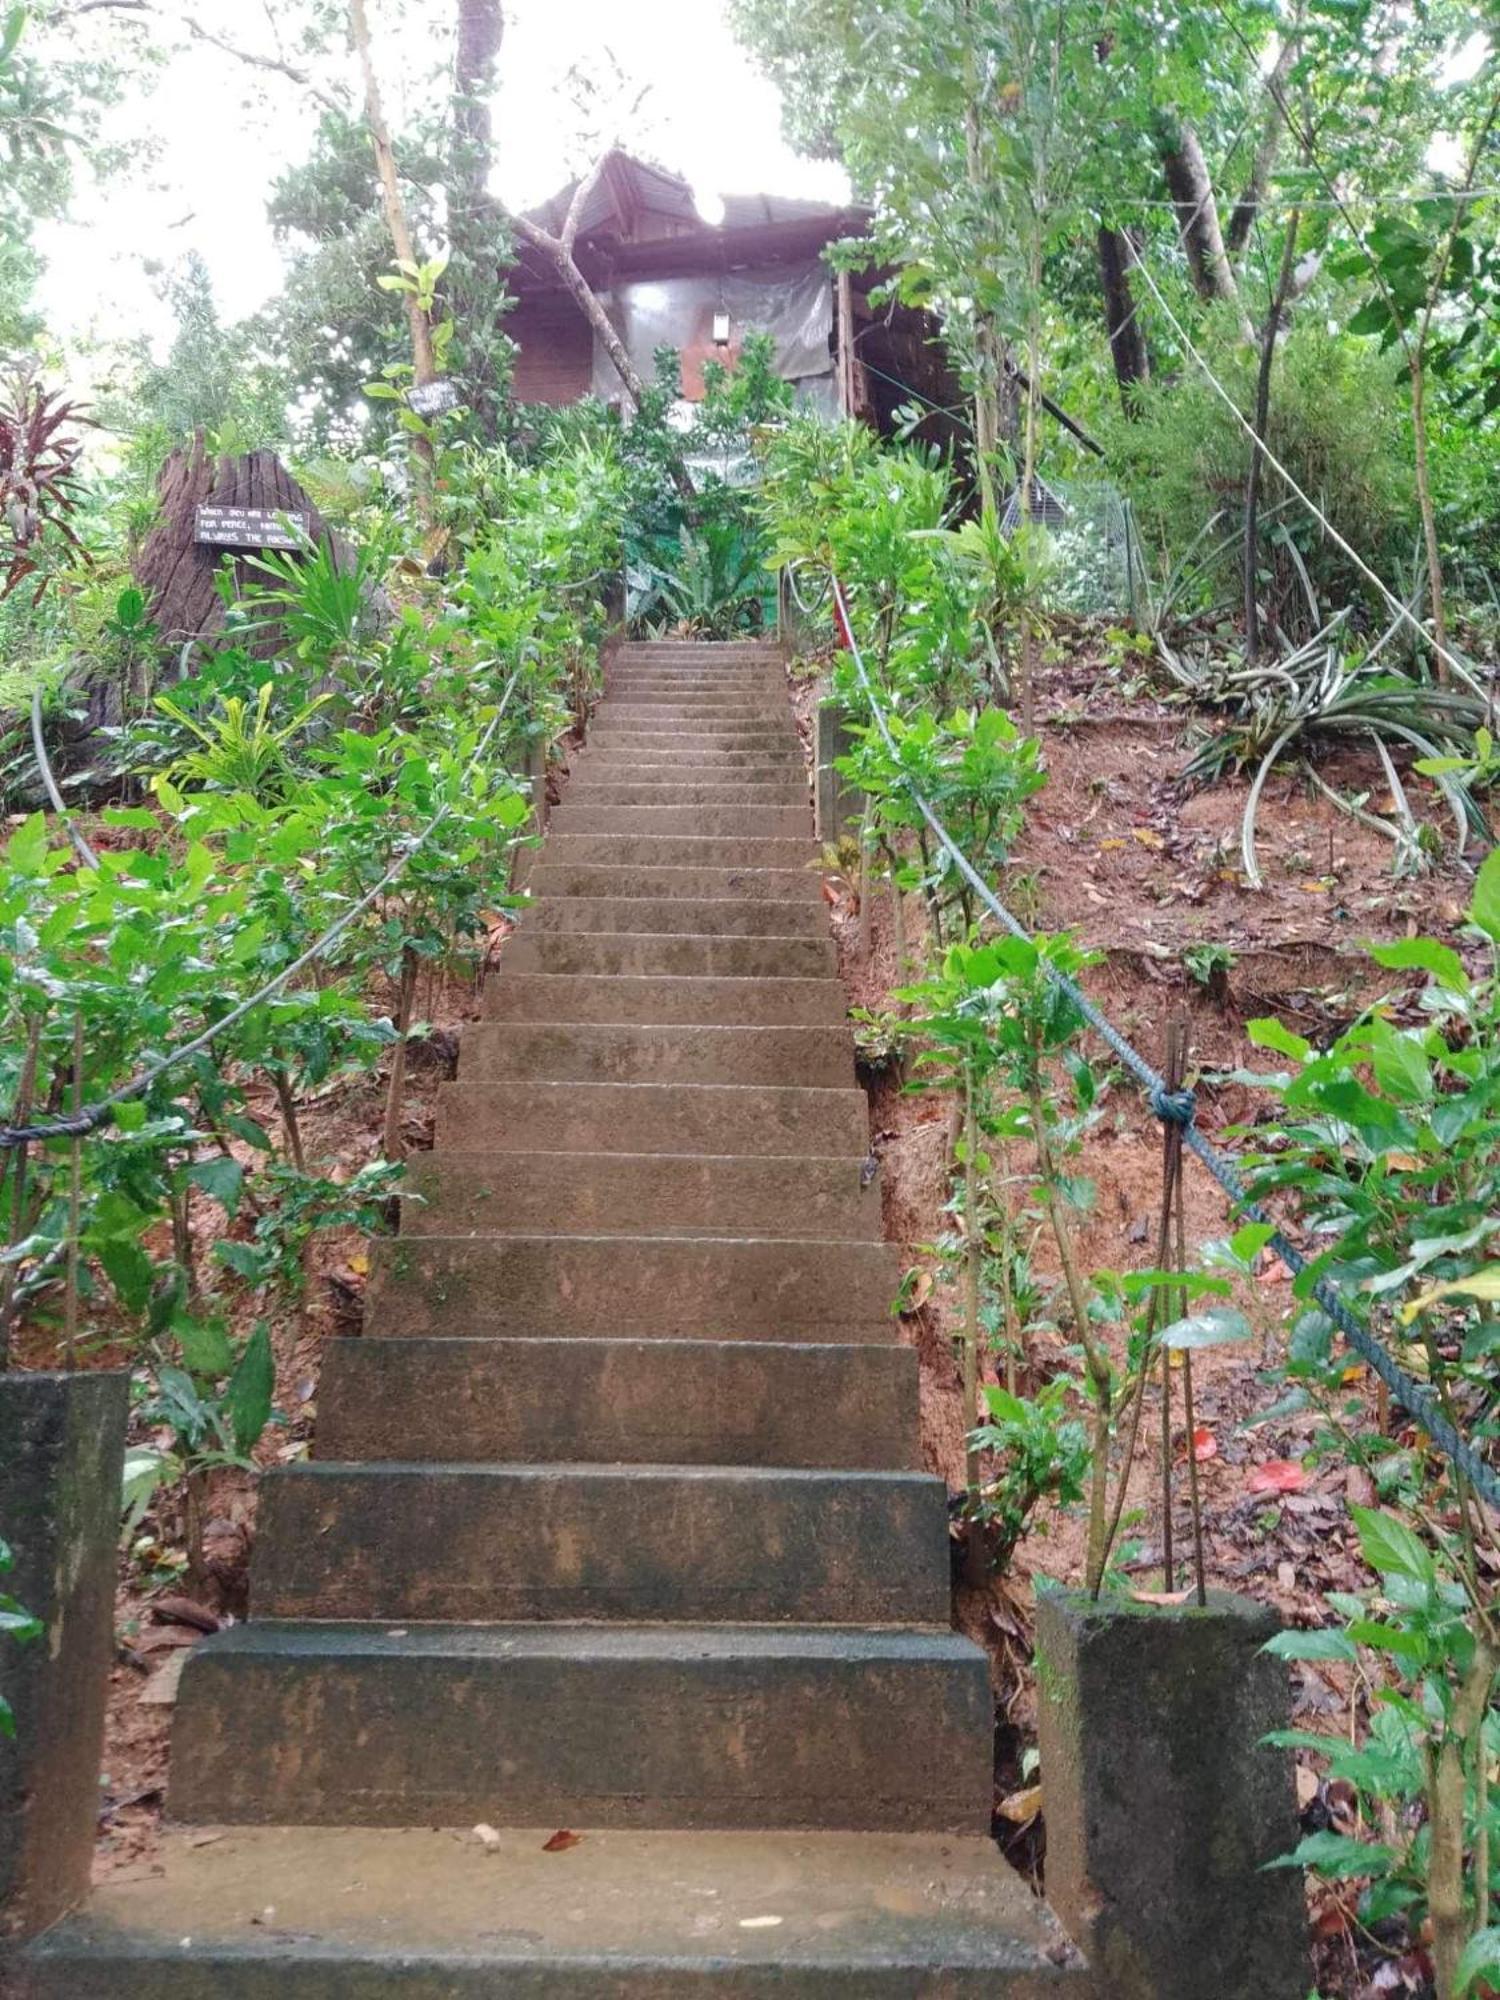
721, 329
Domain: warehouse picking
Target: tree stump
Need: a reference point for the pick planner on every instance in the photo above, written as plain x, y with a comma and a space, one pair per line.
178, 573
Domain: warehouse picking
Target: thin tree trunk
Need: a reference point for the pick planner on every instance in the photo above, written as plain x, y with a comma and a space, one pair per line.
424, 365
1127, 337
1242, 218
1446, 1786
973, 1259
1262, 417
1095, 1359
476, 228
392, 1145
1188, 183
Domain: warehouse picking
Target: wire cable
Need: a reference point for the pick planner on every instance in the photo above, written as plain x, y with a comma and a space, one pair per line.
78, 1124
1402, 610
1178, 1107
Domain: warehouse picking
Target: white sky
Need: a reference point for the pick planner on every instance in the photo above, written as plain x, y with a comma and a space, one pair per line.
222, 137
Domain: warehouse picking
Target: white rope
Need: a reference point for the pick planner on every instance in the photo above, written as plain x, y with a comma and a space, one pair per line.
1395, 603
89, 1120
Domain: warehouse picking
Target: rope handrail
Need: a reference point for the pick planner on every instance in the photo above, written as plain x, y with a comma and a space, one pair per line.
1179, 1107
79, 1124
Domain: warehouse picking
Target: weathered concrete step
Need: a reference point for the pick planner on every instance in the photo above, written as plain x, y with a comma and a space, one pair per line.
626, 1402
757, 743
648, 1288
375, 1914
667, 916
584, 1726
786, 822
668, 1001
748, 1545
761, 684
697, 765
692, 1118
770, 885
641, 955
608, 1052
675, 735
601, 788
633, 1194
679, 850
683, 712
697, 701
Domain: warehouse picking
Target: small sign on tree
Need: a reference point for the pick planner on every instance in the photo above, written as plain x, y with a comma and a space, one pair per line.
251, 528
213, 511
433, 399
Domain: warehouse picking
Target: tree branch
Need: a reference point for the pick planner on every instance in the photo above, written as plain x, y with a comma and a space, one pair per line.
580, 200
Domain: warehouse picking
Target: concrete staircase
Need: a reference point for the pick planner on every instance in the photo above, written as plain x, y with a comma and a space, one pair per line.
616, 1521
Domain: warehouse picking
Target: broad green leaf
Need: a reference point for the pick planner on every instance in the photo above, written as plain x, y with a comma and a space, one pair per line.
1324, 1645
206, 1348
1249, 1240
1423, 955
221, 1178
1217, 1326
1483, 1284
251, 1388
1392, 1548
1267, 1033
1484, 908
1337, 1856
1480, 1958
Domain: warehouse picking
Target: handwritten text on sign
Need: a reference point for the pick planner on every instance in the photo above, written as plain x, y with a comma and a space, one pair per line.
251, 528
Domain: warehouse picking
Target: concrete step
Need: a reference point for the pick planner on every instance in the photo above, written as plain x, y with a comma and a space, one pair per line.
747, 1545
626, 1402
697, 712
734, 1003
602, 788
754, 744
639, 954
678, 850
756, 682
616, 727
691, 1118
602, 1726
608, 1052
695, 699
669, 916
643, 1287
781, 822
376, 1914
738, 766
769, 885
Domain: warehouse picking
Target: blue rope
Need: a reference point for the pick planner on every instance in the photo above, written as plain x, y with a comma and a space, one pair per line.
1178, 1107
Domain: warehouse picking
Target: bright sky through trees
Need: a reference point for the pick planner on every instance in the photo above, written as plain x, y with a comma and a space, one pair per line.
220, 137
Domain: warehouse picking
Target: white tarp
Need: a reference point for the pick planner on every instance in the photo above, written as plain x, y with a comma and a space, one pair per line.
793, 303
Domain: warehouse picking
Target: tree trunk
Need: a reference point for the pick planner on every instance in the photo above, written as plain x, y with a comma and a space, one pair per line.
1262, 417
424, 365
1248, 206
1186, 174
561, 257
476, 229
1127, 337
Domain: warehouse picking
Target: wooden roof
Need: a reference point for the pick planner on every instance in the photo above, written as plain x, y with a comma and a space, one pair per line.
642, 221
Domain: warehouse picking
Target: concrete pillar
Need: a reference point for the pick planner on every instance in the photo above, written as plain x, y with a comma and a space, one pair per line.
62, 1443
1163, 1802
838, 807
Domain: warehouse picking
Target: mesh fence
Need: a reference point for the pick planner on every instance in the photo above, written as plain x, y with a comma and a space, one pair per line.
1093, 553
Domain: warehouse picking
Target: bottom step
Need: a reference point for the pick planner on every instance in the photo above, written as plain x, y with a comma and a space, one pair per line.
737, 1727
293, 1914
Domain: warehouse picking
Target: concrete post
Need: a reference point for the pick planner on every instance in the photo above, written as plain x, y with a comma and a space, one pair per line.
1163, 1802
838, 806
62, 1443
